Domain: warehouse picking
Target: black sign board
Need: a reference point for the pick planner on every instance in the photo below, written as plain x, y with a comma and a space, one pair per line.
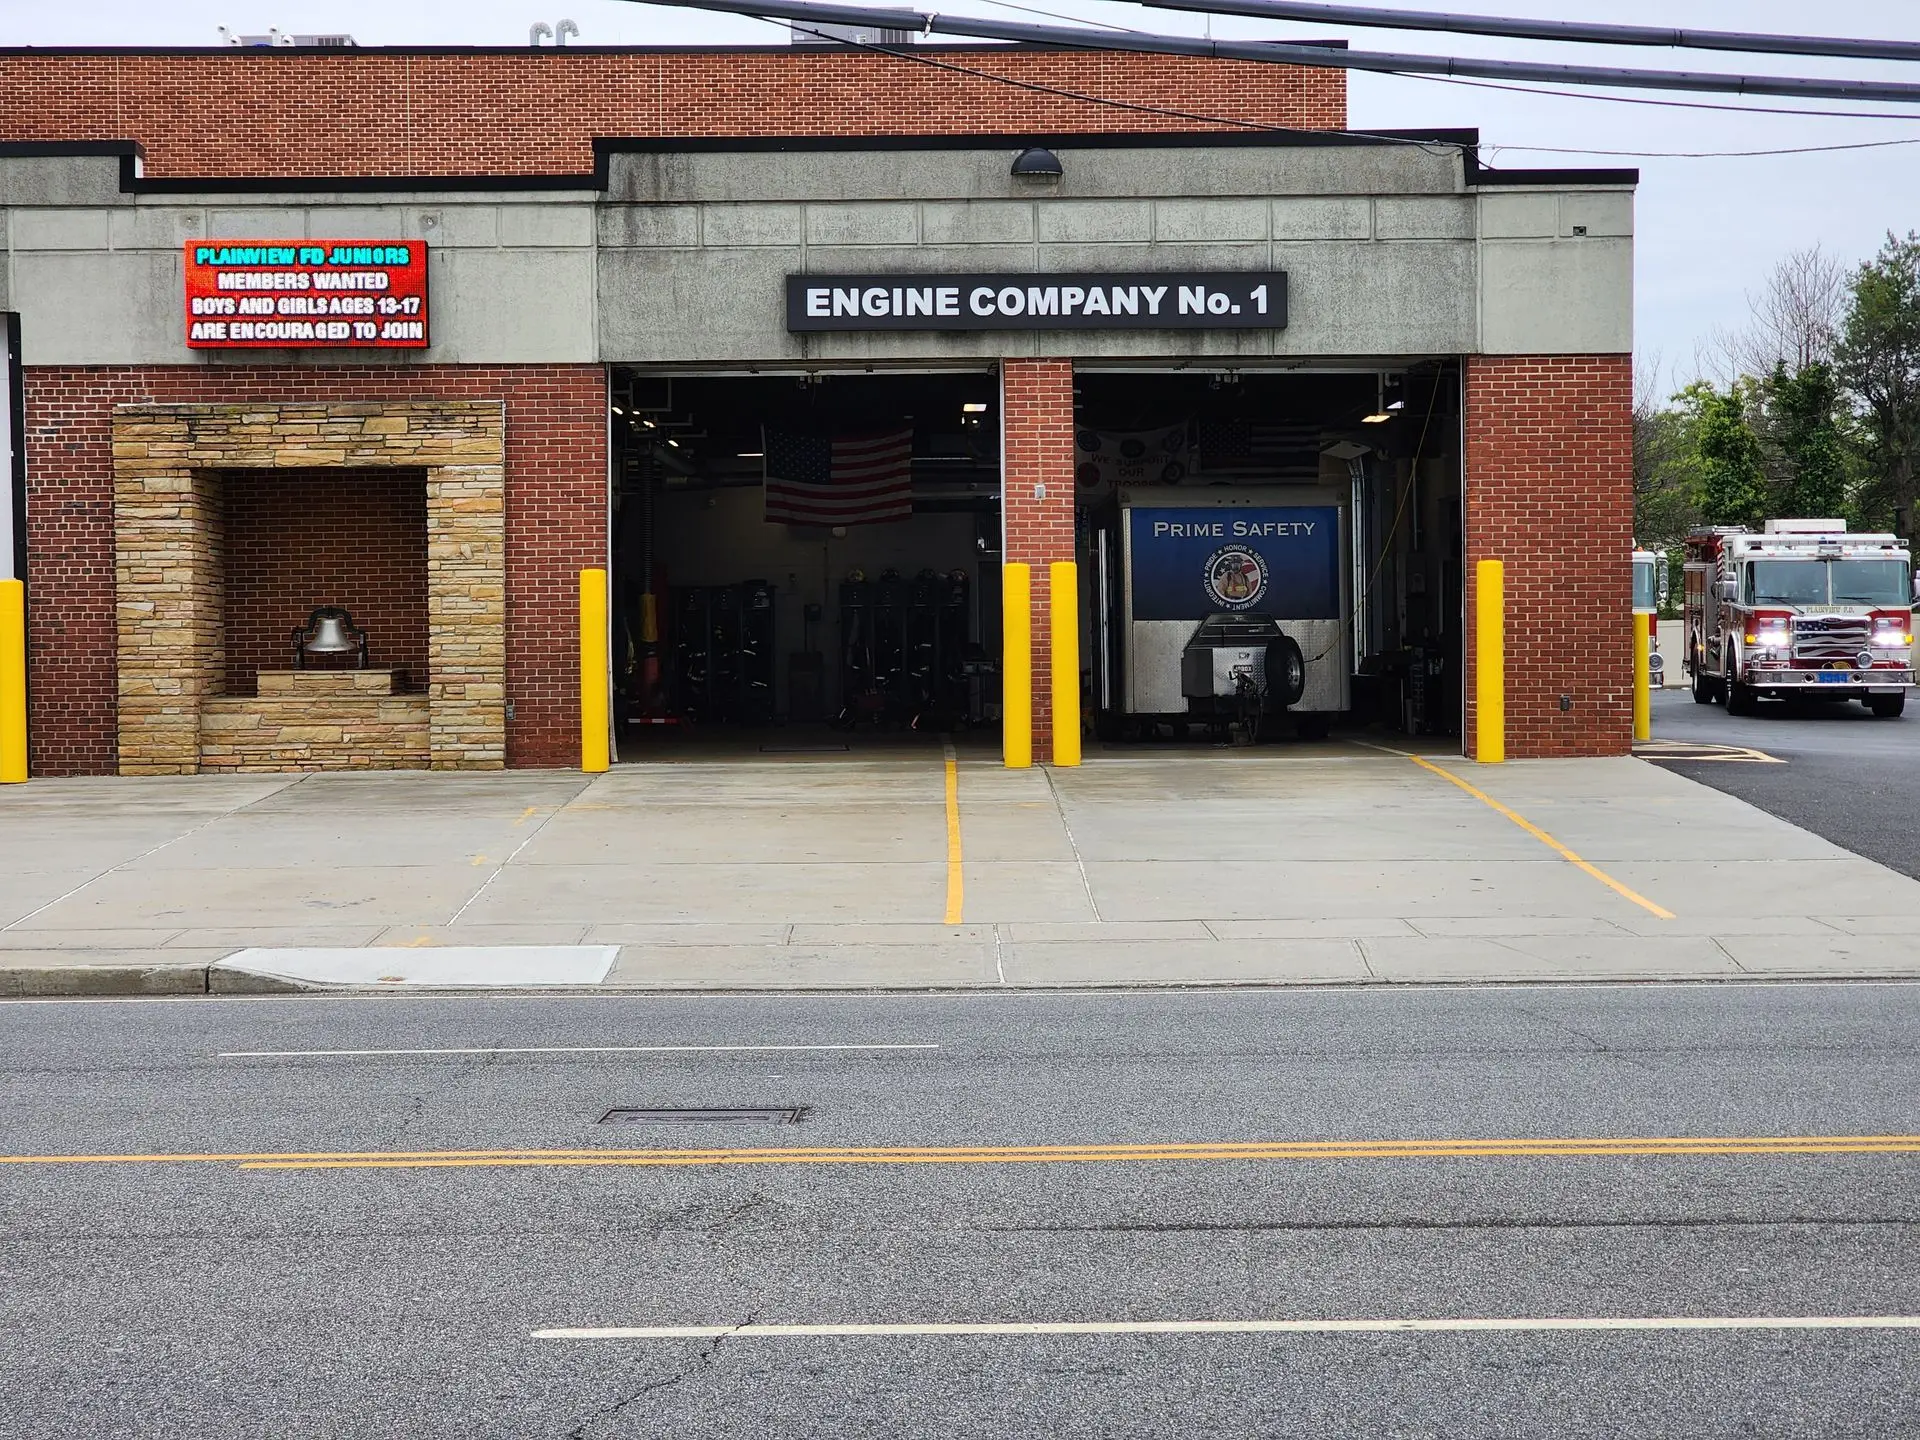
1144, 300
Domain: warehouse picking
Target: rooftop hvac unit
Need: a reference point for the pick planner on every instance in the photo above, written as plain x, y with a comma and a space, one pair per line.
280, 39
852, 34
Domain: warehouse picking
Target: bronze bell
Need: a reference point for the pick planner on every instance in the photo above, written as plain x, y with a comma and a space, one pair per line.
331, 637
329, 631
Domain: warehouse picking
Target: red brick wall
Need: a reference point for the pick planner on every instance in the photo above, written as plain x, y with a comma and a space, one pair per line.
294, 540
394, 112
556, 524
1037, 410
1549, 491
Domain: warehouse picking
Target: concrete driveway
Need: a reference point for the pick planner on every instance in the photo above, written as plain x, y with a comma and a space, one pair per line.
1341, 862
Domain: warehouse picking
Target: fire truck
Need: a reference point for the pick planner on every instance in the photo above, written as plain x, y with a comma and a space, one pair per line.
1649, 594
1802, 609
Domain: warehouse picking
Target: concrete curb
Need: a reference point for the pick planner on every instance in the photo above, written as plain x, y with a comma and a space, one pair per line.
38, 982
56, 982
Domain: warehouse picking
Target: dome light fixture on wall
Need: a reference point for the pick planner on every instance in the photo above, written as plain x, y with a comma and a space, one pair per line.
1037, 163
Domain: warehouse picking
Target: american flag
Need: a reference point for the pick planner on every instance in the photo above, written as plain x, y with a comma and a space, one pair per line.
1271, 449
857, 480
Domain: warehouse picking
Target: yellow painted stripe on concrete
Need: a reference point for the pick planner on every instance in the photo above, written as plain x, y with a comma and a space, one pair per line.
1545, 839
1445, 1149
956, 878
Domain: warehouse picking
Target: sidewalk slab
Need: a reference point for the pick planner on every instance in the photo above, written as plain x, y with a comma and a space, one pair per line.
1294, 865
1163, 962
1549, 957
1800, 956
128, 938
807, 967
442, 967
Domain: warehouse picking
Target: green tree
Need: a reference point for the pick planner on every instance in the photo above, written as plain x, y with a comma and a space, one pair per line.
1731, 481
1665, 475
1877, 360
1805, 429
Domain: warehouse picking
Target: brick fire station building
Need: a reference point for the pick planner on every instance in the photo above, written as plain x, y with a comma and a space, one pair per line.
424, 333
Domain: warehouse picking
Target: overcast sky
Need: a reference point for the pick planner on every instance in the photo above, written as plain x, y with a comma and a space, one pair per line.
1710, 230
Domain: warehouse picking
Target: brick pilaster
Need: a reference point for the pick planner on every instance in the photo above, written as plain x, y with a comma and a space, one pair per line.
1036, 400
1549, 491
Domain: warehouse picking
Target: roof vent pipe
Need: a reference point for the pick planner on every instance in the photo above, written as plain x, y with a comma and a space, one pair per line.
539, 31
563, 30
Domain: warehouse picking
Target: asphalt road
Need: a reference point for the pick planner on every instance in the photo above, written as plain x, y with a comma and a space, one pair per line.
1848, 777
148, 1297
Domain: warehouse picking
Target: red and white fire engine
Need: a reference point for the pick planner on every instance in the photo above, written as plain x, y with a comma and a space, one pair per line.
1803, 608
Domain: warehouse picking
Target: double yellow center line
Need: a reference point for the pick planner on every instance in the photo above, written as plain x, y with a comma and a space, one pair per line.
1224, 1150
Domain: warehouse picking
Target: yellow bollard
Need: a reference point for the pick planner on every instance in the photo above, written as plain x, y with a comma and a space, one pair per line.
1643, 677
1016, 664
595, 701
13, 682
1063, 584
1490, 663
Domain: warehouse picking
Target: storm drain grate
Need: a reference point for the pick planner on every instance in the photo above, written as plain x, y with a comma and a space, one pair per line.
788, 1115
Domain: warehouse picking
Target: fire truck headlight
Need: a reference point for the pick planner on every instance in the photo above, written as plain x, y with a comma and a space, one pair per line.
1892, 639
1772, 639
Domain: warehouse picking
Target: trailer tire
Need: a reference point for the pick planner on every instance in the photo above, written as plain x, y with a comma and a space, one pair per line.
1887, 707
1286, 673
1740, 698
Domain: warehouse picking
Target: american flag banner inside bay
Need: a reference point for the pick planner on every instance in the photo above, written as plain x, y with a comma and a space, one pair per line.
1272, 449
853, 480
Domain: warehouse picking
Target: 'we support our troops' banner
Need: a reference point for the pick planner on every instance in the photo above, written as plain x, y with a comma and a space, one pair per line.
306, 294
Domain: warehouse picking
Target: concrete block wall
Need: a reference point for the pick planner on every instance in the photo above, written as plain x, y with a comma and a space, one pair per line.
1549, 491
537, 111
1036, 403
556, 498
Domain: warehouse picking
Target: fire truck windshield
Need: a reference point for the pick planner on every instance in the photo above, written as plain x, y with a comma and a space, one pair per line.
1870, 582
1827, 582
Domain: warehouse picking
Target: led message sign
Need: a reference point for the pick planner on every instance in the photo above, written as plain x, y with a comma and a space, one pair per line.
306, 294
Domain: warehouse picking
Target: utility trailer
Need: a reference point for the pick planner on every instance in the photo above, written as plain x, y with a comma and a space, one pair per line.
1223, 607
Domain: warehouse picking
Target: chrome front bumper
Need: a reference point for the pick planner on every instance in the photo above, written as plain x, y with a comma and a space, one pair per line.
1847, 682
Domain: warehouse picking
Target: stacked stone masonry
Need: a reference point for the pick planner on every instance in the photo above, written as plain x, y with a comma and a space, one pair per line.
171, 660
305, 720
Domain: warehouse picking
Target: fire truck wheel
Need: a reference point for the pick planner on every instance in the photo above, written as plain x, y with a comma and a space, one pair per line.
1887, 707
1704, 690
1740, 699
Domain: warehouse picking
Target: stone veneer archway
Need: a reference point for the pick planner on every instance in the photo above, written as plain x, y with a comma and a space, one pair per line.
168, 563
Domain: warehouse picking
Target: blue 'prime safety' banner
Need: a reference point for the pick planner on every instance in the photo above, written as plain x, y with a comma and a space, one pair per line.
1188, 564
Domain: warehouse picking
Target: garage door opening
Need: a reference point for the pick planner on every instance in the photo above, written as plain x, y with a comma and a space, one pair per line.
1270, 556
805, 563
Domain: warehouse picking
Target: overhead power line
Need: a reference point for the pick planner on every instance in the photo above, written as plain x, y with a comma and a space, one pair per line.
1487, 149
1579, 31
1277, 53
